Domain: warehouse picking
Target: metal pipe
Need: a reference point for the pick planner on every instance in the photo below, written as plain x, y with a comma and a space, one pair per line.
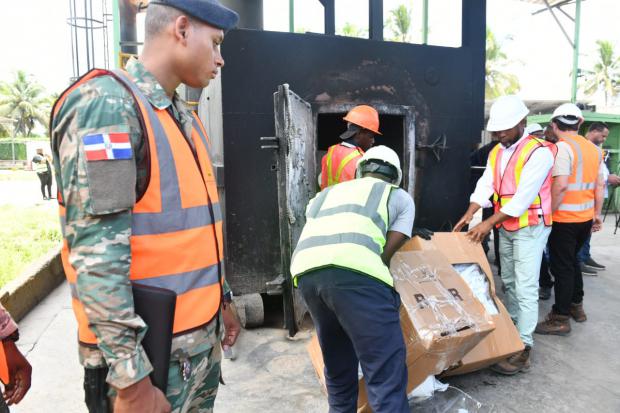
330, 16
117, 34
375, 16
425, 22
576, 50
86, 32
91, 32
73, 57
291, 16
128, 32
559, 24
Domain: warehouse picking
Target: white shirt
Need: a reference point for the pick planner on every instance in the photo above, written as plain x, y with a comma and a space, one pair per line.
533, 176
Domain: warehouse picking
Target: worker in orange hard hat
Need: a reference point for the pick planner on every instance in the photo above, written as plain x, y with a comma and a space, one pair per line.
339, 164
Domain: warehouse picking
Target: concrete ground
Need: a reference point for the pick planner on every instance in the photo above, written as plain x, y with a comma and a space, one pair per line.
24, 192
578, 373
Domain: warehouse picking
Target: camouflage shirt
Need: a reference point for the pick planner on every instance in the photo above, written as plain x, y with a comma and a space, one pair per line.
98, 238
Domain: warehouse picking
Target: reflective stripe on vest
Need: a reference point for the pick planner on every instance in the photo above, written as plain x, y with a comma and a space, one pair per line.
578, 202
505, 185
176, 240
346, 227
338, 164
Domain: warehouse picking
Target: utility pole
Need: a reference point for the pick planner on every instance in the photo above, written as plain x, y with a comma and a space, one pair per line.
576, 51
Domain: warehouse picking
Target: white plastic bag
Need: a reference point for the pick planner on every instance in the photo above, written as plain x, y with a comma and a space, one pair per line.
478, 283
427, 388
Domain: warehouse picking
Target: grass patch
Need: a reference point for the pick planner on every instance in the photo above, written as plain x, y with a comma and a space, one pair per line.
26, 234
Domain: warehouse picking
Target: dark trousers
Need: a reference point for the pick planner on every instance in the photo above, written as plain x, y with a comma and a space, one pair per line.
487, 213
356, 319
544, 279
584, 252
565, 241
46, 182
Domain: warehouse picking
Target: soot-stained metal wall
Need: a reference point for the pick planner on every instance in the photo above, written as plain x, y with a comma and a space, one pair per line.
444, 85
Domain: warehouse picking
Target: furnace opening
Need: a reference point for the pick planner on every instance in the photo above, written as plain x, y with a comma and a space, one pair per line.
331, 125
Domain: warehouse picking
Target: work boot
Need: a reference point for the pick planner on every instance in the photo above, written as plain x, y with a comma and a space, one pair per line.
576, 311
594, 265
585, 270
514, 364
555, 324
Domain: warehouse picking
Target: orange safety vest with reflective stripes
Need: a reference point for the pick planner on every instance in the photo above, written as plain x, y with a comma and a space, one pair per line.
176, 236
505, 186
339, 164
578, 202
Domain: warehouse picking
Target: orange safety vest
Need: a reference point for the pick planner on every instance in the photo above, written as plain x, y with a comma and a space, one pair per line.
176, 238
505, 186
5, 376
578, 202
339, 164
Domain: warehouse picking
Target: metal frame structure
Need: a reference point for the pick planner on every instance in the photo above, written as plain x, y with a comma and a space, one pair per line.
84, 24
551, 6
375, 24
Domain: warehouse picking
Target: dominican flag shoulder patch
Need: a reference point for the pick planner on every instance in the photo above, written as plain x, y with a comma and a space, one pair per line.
107, 146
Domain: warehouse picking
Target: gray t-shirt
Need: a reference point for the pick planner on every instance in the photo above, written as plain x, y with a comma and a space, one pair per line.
401, 212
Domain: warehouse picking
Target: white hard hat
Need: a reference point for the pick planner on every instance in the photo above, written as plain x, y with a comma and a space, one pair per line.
381, 153
506, 112
565, 110
534, 127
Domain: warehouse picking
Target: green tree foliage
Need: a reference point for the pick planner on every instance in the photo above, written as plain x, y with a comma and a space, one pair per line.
24, 103
605, 75
351, 30
5, 127
400, 23
497, 81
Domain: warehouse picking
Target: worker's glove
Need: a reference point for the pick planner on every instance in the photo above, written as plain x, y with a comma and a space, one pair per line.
422, 233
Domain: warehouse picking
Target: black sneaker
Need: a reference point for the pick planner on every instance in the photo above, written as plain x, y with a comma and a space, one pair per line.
585, 270
593, 264
544, 293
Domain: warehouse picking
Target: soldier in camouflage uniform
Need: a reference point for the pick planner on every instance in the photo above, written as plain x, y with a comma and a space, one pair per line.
98, 222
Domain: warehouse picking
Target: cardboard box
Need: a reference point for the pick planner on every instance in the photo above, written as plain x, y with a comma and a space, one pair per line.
440, 318
504, 341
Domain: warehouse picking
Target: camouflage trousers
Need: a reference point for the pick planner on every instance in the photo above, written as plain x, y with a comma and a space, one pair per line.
197, 393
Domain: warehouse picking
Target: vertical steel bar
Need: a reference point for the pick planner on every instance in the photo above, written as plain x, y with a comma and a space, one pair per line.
425, 22
291, 16
576, 50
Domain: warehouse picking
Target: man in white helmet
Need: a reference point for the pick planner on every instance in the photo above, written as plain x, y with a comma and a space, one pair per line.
341, 264
518, 176
578, 191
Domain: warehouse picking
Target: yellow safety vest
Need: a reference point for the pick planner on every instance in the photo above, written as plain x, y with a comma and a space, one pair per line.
346, 226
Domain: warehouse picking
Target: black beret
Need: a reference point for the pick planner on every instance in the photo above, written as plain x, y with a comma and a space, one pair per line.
207, 11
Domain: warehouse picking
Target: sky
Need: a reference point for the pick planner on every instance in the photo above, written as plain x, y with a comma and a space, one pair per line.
36, 37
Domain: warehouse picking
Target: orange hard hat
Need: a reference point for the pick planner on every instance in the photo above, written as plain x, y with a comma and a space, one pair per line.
364, 116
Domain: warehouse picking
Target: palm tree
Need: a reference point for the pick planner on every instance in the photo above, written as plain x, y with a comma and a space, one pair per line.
400, 22
5, 127
497, 81
24, 103
605, 74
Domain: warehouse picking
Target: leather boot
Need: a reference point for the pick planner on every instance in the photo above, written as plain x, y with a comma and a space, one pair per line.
576, 311
514, 364
555, 324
